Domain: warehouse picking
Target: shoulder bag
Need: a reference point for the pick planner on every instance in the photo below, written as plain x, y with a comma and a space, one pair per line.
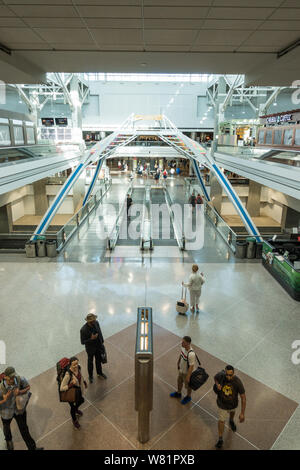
198, 376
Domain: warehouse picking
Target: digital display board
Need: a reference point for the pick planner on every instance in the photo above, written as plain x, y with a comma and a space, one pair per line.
61, 121
47, 122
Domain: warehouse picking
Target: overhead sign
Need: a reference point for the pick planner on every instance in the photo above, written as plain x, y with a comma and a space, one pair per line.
279, 119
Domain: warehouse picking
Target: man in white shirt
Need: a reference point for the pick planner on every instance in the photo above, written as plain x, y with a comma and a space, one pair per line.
185, 365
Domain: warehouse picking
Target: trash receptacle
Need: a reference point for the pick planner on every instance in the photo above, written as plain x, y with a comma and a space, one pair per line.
251, 247
259, 249
30, 249
241, 248
41, 248
51, 248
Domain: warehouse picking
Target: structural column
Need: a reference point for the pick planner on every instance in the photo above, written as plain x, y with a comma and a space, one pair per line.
253, 202
40, 197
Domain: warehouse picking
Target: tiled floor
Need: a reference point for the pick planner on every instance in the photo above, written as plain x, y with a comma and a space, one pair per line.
246, 319
110, 421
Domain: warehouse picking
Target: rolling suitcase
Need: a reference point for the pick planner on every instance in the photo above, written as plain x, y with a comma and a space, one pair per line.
181, 305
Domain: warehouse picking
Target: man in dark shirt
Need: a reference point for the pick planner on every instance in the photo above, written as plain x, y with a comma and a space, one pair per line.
129, 202
228, 387
91, 337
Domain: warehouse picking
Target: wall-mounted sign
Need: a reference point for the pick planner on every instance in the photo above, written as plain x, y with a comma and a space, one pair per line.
61, 121
47, 122
278, 119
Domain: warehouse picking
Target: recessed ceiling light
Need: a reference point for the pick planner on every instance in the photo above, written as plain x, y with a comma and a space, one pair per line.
143, 64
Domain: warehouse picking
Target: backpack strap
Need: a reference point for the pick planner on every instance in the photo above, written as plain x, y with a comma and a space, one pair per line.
191, 350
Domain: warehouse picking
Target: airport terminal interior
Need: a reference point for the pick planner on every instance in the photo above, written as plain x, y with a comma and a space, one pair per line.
139, 138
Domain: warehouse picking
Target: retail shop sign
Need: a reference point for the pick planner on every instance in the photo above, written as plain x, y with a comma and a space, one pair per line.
279, 119
2, 353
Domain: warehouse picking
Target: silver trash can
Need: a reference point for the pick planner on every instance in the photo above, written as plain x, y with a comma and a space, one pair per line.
41, 248
241, 248
30, 249
251, 249
51, 248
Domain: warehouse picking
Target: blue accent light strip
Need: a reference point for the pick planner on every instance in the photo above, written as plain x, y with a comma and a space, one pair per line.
238, 204
196, 168
48, 217
98, 168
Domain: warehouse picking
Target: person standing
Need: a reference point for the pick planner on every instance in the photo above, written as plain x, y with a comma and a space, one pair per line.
11, 387
128, 202
91, 337
192, 200
228, 387
73, 379
199, 199
186, 365
194, 285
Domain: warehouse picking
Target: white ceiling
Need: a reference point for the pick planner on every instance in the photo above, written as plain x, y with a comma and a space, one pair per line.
174, 36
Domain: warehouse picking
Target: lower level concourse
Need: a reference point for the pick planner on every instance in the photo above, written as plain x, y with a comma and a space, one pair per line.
245, 319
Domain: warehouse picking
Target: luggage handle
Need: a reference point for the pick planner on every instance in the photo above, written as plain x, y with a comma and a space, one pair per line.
183, 290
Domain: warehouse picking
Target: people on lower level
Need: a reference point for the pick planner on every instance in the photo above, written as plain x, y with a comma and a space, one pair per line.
185, 365
73, 379
13, 386
228, 387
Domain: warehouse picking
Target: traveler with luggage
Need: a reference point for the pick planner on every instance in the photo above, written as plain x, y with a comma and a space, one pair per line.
14, 397
185, 365
194, 285
73, 384
228, 387
91, 336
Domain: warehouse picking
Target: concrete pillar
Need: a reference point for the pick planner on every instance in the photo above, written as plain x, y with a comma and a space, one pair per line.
76, 111
253, 202
40, 196
193, 135
218, 113
216, 191
4, 220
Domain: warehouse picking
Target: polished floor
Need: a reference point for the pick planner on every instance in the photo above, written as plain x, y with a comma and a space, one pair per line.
246, 319
110, 422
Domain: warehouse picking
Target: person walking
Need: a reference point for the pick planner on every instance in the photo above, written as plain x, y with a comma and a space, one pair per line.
73, 378
12, 387
185, 365
228, 387
199, 199
192, 200
128, 203
194, 285
92, 338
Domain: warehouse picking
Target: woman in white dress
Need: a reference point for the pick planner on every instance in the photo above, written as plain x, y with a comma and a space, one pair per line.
194, 285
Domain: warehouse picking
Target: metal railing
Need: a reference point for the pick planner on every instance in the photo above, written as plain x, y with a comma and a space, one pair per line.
114, 234
146, 226
228, 235
177, 226
68, 230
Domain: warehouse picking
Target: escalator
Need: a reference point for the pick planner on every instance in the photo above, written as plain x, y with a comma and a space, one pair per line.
161, 223
137, 197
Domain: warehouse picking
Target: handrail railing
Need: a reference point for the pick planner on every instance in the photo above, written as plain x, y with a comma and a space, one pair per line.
146, 225
179, 238
68, 230
114, 233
